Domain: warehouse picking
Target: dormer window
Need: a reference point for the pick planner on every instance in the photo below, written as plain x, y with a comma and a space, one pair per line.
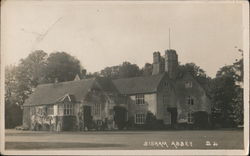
190, 100
188, 84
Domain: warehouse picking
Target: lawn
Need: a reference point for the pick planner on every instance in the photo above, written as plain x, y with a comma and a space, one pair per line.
124, 140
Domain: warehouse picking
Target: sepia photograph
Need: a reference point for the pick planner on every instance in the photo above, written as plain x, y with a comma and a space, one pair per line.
124, 77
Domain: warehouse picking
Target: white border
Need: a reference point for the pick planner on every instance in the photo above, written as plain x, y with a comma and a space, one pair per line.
145, 152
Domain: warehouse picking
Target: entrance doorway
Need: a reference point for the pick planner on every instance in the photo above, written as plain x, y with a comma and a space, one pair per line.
120, 116
173, 112
87, 116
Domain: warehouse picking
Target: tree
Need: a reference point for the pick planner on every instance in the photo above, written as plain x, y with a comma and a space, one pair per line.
10, 83
198, 73
147, 69
61, 66
129, 70
239, 100
227, 93
35, 69
238, 107
30, 72
110, 72
13, 112
19, 82
223, 94
125, 70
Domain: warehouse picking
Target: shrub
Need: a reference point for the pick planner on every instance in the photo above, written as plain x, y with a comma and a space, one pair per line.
201, 120
152, 123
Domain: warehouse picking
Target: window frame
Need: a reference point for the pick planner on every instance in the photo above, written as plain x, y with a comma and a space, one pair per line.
166, 84
190, 100
68, 109
164, 99
140, 99
140, 118
190, 118
99, 122
96, 109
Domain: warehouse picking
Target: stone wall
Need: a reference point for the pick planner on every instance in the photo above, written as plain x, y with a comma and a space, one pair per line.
150, 105
200, 99
166, 98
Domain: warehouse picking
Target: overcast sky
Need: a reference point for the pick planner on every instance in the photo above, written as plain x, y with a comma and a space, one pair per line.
106, 34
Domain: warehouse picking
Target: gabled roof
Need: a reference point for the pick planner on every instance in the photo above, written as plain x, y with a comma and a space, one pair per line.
180, 88
51, 93
135, 85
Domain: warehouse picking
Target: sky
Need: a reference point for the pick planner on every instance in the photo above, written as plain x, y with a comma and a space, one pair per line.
102, 34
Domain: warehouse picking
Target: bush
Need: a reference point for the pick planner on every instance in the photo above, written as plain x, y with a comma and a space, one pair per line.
69, 123
13, 115
130, 123
152, 123
201, 120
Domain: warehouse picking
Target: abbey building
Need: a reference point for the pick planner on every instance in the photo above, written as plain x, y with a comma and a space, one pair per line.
162, 100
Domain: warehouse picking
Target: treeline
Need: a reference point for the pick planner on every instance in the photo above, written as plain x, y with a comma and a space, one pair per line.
39, 67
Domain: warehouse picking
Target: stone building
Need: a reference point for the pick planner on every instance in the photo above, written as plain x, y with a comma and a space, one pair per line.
102, 103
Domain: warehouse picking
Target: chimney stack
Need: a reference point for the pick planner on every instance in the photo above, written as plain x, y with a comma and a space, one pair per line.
158, 63
171, 63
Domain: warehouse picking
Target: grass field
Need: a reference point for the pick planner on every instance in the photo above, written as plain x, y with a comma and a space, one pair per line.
125, 140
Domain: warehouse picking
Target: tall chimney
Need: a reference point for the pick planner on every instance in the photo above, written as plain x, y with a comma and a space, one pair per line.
158, 63
171, 63
83, 73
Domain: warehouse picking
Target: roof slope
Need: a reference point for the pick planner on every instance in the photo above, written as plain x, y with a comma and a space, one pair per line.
107, 85
144, 84
50, 93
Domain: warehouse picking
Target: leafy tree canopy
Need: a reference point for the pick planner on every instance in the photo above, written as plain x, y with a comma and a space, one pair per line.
191, 68
227, 94
61, 66
125, 70
147, 69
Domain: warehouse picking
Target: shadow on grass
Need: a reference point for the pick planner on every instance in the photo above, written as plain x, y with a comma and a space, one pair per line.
55, 145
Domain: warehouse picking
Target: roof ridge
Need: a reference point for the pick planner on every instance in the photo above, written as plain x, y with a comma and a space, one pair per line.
65, 82
53, 92
139, 77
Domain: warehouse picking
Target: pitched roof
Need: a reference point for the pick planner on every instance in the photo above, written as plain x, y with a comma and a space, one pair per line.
107, 85
51, 93
144, 84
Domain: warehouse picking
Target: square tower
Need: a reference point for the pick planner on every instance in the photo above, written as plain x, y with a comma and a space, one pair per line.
171, 63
